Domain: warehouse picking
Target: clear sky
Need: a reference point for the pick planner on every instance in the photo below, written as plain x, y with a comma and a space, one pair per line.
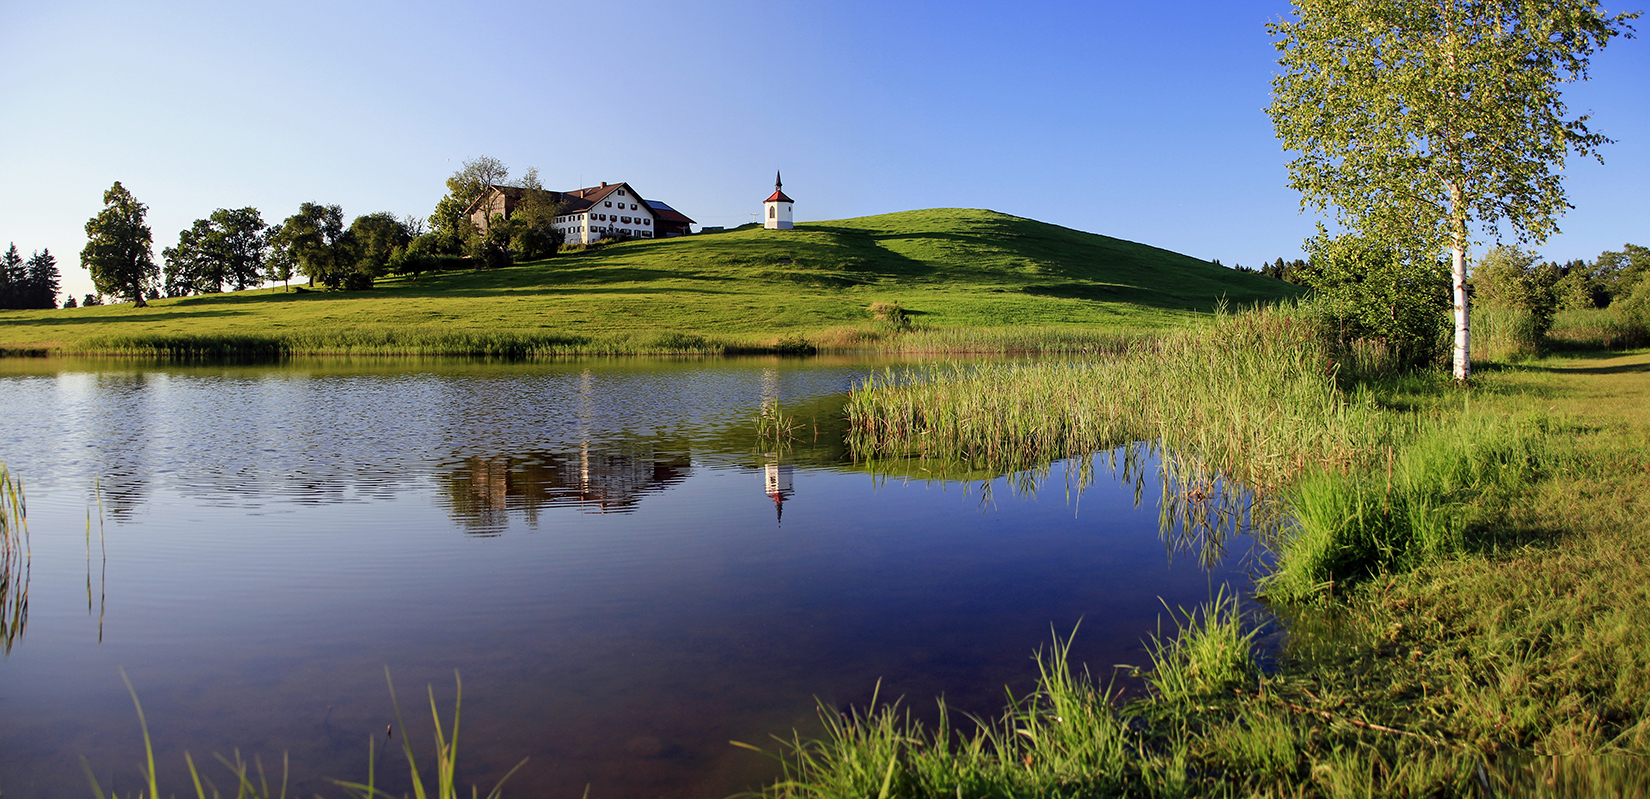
1143, 121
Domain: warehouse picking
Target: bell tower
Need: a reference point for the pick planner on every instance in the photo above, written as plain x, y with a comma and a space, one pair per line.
776, 210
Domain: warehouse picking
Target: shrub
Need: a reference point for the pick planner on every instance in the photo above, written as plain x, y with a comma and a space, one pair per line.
891, 314
1508, 279
1374, 296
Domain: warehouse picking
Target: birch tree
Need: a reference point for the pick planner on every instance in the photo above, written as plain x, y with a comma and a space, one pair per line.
1421, 120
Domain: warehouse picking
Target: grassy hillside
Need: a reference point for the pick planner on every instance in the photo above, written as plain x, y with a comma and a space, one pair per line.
954, 270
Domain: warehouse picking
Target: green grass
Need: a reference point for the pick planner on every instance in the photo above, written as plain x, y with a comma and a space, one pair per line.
963, 279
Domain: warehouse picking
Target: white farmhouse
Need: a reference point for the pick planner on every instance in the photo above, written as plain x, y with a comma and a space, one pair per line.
776, 210
587, 215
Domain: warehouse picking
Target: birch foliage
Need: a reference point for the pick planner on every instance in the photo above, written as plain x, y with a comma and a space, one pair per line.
1415, 120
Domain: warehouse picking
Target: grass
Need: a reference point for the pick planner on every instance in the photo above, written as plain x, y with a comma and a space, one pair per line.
965, 279
1463, 574
442, 784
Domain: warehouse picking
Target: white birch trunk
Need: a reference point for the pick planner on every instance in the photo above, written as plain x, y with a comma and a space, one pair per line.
1463, 332
1458, 272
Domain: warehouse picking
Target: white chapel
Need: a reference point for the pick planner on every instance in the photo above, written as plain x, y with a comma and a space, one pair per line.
776, 210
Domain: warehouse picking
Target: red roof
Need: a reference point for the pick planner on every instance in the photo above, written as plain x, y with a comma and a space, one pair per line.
778, 197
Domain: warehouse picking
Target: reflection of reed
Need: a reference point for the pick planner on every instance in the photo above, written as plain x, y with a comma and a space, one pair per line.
14, 562
1200, 508
103, 568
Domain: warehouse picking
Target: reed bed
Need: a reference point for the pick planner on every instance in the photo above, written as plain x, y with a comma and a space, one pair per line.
405, 341
1251, 397
399, 341
1007, 340
1599, 328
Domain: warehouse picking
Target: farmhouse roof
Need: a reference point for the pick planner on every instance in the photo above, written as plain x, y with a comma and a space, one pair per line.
668, 213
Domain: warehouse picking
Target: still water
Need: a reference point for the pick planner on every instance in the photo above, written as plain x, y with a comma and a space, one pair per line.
623, 575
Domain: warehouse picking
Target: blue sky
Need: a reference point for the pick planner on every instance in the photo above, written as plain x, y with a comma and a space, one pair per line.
1141, 121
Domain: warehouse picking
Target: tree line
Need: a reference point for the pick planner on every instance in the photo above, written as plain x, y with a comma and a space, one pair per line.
1377, 292
235, 249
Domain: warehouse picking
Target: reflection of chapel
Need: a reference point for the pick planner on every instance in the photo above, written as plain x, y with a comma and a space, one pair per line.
776, 481
776, 210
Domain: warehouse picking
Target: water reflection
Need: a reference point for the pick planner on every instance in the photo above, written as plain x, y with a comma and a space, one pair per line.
597, 478
778, 484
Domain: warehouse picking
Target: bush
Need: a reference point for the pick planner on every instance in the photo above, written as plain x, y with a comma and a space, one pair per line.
891, 314
1374, 296
1509, 279
357, 280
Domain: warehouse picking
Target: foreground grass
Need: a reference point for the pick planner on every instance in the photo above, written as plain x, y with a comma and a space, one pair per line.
1464, 576
967, 280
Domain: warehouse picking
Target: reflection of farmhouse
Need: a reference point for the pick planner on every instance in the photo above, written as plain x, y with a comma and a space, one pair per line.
483, 491
587, 215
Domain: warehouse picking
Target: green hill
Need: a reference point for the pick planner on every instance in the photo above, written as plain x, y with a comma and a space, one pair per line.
951, 269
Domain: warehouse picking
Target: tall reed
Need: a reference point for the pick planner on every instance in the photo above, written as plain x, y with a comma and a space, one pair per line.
15, 561
1251, 396
442, 784
1066, 733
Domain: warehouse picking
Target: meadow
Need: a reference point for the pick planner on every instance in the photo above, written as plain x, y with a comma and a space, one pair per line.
960, 279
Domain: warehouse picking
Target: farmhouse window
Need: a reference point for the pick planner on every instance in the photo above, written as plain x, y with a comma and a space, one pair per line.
609, 203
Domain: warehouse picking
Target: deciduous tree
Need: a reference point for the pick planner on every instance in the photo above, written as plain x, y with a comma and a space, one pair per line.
118, 247
463, 188
315, 240
1423, 118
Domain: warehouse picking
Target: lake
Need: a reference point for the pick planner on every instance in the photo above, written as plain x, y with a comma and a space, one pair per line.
625, 576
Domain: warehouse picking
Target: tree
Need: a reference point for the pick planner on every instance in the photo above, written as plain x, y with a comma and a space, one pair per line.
118, 247
91, 299
1619, 271
68, 302
379, 238
14, 275
43, 281
1511, 278
533, 232
463, 188
314, 239
1418, 119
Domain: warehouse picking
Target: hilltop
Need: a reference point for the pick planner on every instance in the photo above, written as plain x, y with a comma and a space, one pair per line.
950, 269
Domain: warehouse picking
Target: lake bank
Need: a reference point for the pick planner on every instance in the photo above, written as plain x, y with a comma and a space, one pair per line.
1459, 571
